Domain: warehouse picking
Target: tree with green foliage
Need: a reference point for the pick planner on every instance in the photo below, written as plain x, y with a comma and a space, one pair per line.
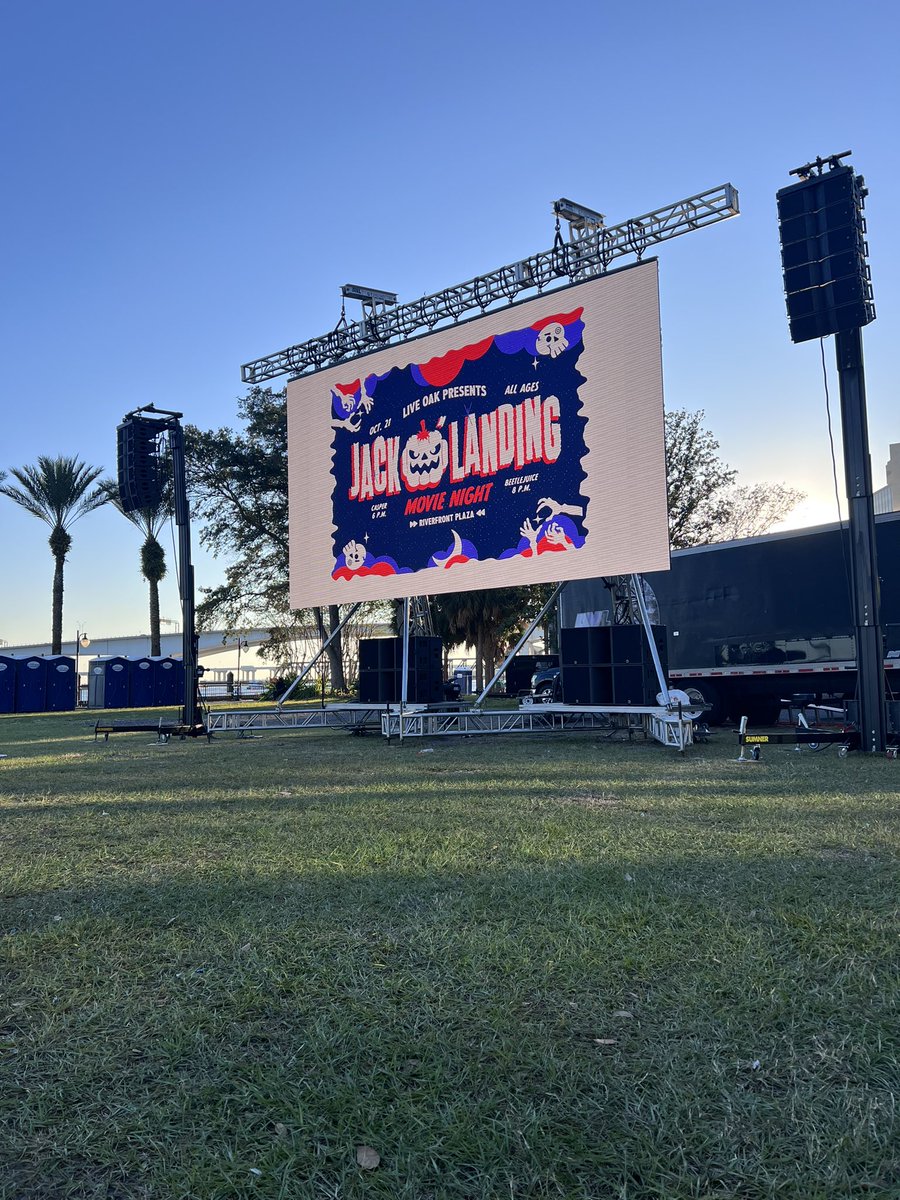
58, 491
705, 504
149, 521
238, 486
488, 620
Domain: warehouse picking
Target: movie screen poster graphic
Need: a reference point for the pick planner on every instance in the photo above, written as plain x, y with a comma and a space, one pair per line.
490, 454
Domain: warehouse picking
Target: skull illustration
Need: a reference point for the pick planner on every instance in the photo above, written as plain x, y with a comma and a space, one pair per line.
424, 459
354, 555
552, 340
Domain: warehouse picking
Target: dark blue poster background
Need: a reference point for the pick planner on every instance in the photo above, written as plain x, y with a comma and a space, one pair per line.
473, 455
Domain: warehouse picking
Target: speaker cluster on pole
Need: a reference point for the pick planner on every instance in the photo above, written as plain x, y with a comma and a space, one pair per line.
381, 670
827, 282
610, 664
140, 476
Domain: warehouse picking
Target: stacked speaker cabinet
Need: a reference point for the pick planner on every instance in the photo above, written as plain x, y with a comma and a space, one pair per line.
586, 666
381, 671
823, 254
140, 481
610, 665
634, 675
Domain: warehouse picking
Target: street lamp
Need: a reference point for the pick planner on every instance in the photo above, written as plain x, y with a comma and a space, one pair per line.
242, 644
82, 641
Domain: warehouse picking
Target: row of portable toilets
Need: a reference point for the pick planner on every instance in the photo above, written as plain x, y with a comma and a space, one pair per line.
46, 683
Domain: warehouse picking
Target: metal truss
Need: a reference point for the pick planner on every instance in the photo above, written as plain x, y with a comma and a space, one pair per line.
664, 726
421, 623
672, 728
590, 252
465, 724
351, 717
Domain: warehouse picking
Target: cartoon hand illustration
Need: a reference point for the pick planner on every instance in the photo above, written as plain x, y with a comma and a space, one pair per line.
354, 555
572, 510
352, 422
529, 531
555, 534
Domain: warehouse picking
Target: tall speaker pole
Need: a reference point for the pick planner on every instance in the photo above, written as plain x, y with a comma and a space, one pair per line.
140, 487
190, 710
828, 290
866, 591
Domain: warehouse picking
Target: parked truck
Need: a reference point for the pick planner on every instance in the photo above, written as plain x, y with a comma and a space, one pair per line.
754, 623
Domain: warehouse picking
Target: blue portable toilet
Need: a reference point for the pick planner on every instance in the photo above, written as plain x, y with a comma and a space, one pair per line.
142, 685
31, 684
168, 681
108, 682
60, 687
7, 683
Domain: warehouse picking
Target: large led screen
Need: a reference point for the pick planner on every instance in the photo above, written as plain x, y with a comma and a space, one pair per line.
525, 446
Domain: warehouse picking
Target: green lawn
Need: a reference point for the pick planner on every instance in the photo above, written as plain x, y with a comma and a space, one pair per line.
515, 967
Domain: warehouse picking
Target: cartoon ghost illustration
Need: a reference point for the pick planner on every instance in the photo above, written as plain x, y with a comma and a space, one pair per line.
424, 459
551, 341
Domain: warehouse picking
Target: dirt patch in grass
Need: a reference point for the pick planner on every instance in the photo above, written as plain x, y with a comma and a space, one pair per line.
590, 800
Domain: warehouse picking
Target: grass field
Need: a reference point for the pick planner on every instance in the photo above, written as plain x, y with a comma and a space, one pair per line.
514, 967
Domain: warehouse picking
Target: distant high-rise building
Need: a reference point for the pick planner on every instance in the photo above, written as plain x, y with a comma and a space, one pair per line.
887, 499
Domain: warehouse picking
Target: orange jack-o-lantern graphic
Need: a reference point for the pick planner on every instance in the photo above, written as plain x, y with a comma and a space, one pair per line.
424, 459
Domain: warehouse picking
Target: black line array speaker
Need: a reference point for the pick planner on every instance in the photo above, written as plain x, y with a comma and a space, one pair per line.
827, 283
610, 664
140, 483
381, 670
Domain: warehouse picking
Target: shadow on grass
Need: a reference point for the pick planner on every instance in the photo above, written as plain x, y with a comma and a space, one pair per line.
537, 1030
558, 971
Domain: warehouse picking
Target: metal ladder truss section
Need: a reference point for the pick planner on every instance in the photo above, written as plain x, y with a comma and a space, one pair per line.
590, 255
659, 723
352, 717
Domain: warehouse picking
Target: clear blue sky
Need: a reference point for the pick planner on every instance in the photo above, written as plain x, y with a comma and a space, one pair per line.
187, 185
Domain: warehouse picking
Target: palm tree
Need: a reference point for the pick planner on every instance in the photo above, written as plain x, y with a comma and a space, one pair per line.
57, 491
149, 521
484, 620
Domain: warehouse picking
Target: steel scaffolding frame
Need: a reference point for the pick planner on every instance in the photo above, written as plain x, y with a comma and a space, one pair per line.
591, 250
350, 717
671, 727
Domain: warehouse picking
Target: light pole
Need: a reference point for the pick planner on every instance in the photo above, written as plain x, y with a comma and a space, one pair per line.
242, 644
82, 641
